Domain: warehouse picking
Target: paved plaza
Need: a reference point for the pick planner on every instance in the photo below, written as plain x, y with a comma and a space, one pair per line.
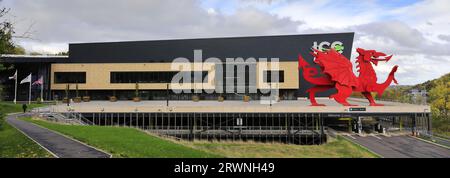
286, 106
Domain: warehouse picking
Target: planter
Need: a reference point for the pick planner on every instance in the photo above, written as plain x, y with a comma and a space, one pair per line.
136, 99
65, 100
112, 98
86, 98
77, 100
195, 98
220, 99
246, 98
278, 99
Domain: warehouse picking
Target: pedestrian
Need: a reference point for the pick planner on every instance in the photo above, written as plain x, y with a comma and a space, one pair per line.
24, 107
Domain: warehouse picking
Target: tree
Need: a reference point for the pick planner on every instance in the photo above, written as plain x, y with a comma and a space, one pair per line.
62, 54
6, 33
34, 53
6, 43
19, 50
439, 97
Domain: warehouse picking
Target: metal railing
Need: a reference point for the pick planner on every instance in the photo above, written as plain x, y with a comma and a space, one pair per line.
66, 117
78, 117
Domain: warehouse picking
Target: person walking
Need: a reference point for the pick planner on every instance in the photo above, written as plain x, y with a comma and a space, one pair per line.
24, 107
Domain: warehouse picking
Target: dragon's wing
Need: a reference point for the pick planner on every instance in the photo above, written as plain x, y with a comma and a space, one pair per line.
338, 67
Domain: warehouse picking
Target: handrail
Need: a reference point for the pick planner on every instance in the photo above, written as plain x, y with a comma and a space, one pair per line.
79, 117
67, 116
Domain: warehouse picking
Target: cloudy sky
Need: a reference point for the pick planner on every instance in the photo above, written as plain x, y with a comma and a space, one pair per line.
416, 32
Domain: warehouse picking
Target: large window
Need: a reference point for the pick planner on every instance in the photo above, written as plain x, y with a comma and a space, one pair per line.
70, 77
268, 76
238, 77
152, 77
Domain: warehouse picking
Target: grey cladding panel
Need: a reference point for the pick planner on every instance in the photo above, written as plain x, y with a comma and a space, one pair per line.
283, 47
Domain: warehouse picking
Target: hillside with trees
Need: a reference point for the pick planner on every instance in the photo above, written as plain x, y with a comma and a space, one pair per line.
438, 98
439, 95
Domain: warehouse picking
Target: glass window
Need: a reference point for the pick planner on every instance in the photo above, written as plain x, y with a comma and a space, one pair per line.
268, 76
70, 77
151, 77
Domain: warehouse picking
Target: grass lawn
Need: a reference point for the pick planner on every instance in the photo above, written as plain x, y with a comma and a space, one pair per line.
125, 142
13, 144
441, 127
129, 142
335, 148
10, 107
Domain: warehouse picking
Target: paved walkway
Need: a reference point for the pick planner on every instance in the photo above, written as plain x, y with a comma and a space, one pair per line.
59, 145
400, 147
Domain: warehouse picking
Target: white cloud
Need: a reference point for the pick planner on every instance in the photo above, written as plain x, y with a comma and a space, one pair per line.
444, 37
398, 38
62, 22
424, 13
328, 13
211, 11
44, 48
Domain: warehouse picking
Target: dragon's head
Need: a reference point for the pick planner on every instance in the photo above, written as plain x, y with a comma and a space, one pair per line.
372, 56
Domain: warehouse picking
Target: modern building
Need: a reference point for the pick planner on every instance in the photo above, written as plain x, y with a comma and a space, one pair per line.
257, 64
418, 96
113, 68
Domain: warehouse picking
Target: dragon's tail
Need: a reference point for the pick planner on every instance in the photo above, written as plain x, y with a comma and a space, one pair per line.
301, 62
309, 72
391, 78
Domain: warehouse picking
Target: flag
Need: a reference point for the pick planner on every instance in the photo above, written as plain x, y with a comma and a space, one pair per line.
26, 80
14, 77
40, 81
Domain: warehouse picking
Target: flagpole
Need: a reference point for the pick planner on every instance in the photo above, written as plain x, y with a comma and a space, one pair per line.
15, 90
42, 89
29, 92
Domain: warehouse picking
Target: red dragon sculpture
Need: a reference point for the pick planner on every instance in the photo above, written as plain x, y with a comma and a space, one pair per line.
337, 72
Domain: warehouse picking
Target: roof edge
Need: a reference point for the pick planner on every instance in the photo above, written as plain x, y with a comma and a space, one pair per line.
30, 56
225, 37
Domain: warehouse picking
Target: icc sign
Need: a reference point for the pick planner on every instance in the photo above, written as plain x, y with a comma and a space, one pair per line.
325, 45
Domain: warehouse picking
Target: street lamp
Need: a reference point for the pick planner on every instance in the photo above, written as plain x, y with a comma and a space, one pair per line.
270, 95
167, 95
